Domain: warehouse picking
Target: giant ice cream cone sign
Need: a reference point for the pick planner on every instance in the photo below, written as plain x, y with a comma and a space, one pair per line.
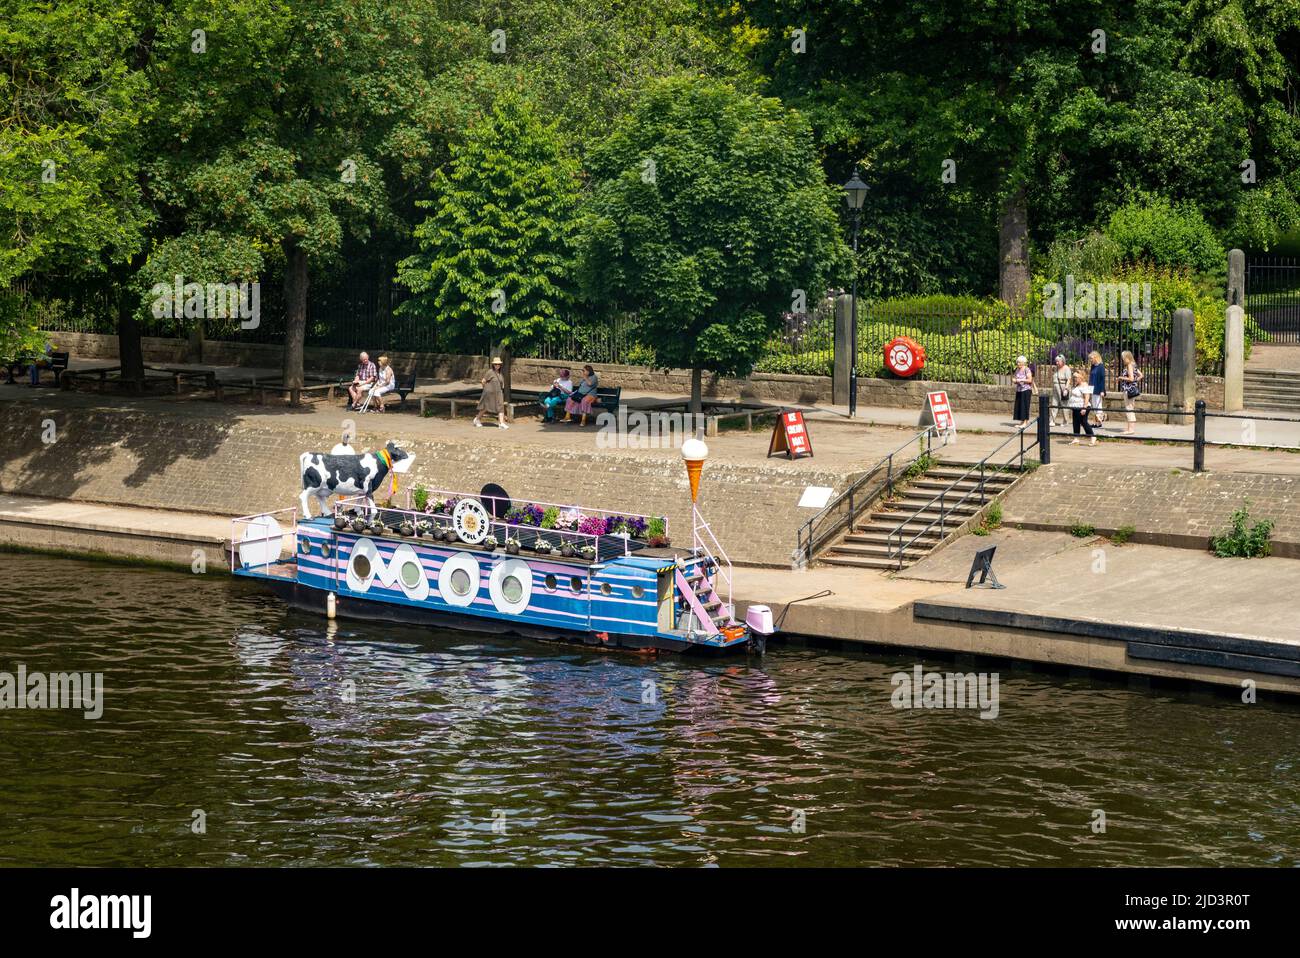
694, 452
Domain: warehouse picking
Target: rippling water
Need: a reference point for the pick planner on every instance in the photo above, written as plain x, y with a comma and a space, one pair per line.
400, 746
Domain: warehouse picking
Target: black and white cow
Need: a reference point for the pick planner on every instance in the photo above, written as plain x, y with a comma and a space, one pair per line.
326, 474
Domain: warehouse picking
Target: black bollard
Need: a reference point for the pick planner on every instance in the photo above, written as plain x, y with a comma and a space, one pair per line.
1044, 429
1198, 455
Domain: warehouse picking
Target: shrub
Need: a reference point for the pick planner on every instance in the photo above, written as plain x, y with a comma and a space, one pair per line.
1240, 542
1082, 530
1122, 535
1156, 231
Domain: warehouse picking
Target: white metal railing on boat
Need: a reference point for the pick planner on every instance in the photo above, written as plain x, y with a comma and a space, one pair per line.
515, 530
267, 559
717, 556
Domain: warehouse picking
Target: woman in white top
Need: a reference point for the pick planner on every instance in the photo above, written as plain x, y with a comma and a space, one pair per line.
1080, 393
386, 382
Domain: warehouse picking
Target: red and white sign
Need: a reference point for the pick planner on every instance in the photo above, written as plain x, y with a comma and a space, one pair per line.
941, 411
904, 356
790, 436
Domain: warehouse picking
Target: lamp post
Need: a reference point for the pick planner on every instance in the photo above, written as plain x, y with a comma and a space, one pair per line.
855, 192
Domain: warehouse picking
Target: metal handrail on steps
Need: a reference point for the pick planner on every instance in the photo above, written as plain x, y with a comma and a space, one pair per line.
811, 538
941, 498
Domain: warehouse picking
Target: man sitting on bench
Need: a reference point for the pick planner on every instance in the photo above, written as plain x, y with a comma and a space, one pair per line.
584, 397
362, 381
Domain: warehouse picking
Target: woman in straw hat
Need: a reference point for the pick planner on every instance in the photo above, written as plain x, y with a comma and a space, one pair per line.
493, 400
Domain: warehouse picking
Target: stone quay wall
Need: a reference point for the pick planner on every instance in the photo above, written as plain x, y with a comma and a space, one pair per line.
1165, 507
243, 465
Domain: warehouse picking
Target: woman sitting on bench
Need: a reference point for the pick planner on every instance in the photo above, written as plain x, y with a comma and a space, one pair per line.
561, 389
386, 382
583, 398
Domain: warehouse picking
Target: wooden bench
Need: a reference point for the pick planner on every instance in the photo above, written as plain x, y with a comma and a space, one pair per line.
56, 363
608, 399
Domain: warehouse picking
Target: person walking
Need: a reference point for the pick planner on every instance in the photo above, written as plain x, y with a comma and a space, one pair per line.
1097, 379
492, 401
1023, 377
1130, 381
1078, 403
1062, 379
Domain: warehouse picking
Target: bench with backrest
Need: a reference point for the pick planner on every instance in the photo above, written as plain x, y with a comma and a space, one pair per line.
608, 399
57, 363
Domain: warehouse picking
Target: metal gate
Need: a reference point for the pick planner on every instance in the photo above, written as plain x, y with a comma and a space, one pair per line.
1273, 296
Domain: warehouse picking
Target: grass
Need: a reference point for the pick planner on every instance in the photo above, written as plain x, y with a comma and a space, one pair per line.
992, 520
1081, 530
1242, 542
1122, 535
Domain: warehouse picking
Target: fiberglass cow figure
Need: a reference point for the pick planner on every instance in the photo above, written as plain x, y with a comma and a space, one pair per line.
325, 474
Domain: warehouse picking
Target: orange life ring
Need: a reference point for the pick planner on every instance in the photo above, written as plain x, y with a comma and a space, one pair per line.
904, 356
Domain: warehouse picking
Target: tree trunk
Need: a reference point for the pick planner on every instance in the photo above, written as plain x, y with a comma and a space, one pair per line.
697, 390
1013, 257
130, 350
295, 313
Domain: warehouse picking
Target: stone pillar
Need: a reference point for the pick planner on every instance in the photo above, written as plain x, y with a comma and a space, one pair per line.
843, 333
1182, 366
1236, 278
1234, 360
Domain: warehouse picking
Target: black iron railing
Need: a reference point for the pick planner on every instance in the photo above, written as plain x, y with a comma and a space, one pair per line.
842, 511
947, 501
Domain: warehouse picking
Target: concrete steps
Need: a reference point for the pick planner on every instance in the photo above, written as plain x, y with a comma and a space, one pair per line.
1275, 389
915, 516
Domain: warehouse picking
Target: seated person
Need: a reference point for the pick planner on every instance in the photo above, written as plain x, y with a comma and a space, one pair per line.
362, 381
41, 362
385, 383
584, 397
561, 389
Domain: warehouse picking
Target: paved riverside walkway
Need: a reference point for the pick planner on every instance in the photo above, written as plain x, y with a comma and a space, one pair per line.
839, 444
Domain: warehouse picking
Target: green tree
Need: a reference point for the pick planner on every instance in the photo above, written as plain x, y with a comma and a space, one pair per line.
289, 128
75, 99
709, 217
495, 259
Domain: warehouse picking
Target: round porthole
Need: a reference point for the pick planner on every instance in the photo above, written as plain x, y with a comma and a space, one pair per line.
458, 580
637, 592
605, 588
511, 586
551, 584
411, 574
304, 546
326, 550
361, 565
575, 584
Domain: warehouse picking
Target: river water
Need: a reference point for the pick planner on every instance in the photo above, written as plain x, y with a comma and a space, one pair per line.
236, 732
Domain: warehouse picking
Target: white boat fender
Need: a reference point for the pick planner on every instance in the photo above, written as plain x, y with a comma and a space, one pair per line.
330, 606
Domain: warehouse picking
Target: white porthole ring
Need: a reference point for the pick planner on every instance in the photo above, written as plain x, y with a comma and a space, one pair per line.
363, 549
511, 586
471, 521
460, 568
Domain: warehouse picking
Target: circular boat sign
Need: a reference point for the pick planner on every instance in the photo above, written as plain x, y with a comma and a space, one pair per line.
470, 521
904, 356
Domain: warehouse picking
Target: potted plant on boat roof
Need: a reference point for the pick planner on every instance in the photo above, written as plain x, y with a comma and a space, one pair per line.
423, 528
568, 520
567, 550
593, 526
420, 496
541, 545
512, 545
490, 543
359, 523
405, 528
588, 552
656, 531
550, 517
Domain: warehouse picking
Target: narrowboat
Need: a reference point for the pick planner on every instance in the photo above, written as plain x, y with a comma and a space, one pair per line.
484, 562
